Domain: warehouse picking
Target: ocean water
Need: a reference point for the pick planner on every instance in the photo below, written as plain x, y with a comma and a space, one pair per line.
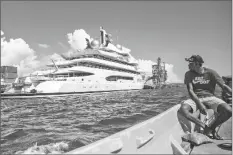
60, 124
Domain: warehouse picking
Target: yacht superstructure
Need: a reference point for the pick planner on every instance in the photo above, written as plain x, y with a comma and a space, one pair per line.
102, 66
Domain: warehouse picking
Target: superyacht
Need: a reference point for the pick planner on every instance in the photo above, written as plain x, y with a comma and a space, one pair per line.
101, 66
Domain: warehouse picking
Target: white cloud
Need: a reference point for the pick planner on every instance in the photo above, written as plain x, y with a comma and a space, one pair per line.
77, 40
43, 45
171, 76
3, 42
16, 52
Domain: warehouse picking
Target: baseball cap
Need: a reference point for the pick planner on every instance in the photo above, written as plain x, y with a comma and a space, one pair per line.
195, 58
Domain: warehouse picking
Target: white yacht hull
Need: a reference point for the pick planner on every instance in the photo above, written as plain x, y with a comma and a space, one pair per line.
73, 86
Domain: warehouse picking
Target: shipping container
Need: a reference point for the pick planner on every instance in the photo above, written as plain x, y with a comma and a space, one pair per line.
8, 69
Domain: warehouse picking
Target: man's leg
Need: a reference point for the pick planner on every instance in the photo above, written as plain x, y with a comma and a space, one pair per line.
223, 111
187, 111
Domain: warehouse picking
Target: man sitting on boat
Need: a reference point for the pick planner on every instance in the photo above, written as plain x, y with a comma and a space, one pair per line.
201, 82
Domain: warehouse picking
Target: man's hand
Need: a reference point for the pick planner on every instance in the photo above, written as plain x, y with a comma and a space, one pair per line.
203, 109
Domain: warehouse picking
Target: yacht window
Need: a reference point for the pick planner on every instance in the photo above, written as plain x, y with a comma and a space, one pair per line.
71, 75
115, 78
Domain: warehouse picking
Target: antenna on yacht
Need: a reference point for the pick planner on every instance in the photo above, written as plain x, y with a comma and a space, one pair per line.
102, 35
55, 65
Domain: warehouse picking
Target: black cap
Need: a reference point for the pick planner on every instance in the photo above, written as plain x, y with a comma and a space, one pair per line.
195, 58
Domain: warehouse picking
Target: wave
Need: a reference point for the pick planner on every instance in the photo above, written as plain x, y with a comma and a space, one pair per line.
150, 112
115, 120
16, 133
52, 148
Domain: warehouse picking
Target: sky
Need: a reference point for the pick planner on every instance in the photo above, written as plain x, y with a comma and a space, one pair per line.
32, 32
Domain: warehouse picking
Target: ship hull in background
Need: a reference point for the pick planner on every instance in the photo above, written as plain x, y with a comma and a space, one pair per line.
72, 86
64, 93
100, 80
76, 85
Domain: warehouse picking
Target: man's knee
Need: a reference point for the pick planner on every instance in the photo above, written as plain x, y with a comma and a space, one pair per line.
225, 109
187, 111
229, 113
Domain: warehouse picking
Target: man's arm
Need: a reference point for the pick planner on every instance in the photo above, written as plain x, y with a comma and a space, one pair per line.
225, 87
221, 83
194, 97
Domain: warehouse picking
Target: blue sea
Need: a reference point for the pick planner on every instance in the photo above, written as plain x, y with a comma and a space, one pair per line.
61, 124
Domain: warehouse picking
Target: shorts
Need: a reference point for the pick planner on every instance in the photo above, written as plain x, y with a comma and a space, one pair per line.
211, 102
